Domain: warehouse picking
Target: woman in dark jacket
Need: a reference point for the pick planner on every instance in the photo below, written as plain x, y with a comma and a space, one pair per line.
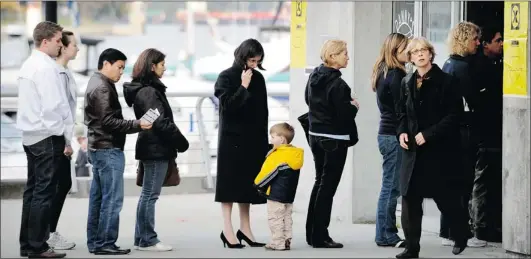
155, 148
463, 41
243, 139
386, 79
429, 112
331, 119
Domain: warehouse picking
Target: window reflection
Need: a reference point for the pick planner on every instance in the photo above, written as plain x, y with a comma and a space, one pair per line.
436, 24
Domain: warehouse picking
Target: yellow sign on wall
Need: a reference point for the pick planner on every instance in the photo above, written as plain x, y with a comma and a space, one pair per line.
298, 34
515, 51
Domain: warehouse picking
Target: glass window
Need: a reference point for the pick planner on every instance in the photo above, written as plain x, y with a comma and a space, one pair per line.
403, 17
404, 20
436, 24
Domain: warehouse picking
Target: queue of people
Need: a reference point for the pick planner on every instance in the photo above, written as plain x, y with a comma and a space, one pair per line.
449, 128
430, 119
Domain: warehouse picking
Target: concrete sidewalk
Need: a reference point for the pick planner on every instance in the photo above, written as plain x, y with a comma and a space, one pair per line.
192, 224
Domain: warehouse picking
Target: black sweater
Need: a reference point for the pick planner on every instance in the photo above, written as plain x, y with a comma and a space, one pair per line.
328, 98
387, 95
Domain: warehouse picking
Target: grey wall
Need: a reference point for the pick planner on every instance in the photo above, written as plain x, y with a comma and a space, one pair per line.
516, 169
364, 26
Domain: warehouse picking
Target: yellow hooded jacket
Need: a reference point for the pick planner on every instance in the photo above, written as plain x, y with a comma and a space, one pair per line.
282, 163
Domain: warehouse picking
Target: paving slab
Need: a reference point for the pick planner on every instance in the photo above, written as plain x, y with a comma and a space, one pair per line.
192, 223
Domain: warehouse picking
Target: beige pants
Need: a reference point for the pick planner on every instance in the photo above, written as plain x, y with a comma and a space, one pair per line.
280, 223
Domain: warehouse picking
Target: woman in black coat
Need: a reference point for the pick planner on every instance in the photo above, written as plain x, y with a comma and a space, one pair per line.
429, 113
243, 139
463, 41
155, 148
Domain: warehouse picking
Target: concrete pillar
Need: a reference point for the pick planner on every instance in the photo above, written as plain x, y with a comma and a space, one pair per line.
516, 169
364, 25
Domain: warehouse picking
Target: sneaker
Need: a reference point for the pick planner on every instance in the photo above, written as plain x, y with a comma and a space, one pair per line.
474, 242
159, 247
274, 248
58, 242
447, 242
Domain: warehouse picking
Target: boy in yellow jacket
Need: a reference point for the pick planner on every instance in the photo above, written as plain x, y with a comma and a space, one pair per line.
278, 180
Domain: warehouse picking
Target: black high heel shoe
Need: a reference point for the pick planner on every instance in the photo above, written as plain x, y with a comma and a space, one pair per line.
240, 235
226, 242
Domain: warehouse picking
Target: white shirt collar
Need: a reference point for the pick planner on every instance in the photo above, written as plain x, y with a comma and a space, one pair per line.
42, 55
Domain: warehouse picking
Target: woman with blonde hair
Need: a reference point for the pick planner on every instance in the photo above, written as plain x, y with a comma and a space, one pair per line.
332, 131
429, 112
463, 41
387, 75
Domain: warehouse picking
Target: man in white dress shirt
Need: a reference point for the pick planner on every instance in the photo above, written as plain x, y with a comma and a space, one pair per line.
44, 118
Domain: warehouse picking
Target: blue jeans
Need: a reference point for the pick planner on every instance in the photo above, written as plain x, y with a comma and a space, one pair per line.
106, 197
154, 174
386, 231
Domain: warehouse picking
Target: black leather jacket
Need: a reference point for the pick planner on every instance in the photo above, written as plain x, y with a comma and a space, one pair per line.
103, 115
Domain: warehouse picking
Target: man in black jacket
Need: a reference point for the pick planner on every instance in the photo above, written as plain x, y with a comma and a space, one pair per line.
107, 130
487, 191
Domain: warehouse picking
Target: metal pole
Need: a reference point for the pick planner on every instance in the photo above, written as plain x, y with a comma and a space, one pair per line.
190, 33
50, 11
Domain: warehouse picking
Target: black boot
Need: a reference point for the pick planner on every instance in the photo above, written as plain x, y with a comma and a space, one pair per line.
408, 253
459, 247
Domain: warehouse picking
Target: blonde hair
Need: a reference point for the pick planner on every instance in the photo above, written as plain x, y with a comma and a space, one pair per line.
460, 35
420, 42
388, 58
332, 47
284, 130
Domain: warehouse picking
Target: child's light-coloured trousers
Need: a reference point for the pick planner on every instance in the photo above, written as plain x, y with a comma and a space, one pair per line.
280, 223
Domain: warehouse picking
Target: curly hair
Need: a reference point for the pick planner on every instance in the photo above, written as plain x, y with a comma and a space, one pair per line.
460, 35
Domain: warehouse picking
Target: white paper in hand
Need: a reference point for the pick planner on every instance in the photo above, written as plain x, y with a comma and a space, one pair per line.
150, 116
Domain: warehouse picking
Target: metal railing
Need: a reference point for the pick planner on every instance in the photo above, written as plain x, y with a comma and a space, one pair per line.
205, 152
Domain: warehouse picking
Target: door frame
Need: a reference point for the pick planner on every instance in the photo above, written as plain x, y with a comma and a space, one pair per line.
458, 14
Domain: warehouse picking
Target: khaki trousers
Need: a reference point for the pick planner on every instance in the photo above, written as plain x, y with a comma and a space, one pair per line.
280, 223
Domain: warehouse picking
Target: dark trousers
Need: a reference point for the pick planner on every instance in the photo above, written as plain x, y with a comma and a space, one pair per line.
466, 183
64, 183
44, 160
412, 218
329, 156
487, 195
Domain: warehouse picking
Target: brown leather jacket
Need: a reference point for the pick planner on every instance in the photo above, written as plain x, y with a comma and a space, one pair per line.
103, 115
